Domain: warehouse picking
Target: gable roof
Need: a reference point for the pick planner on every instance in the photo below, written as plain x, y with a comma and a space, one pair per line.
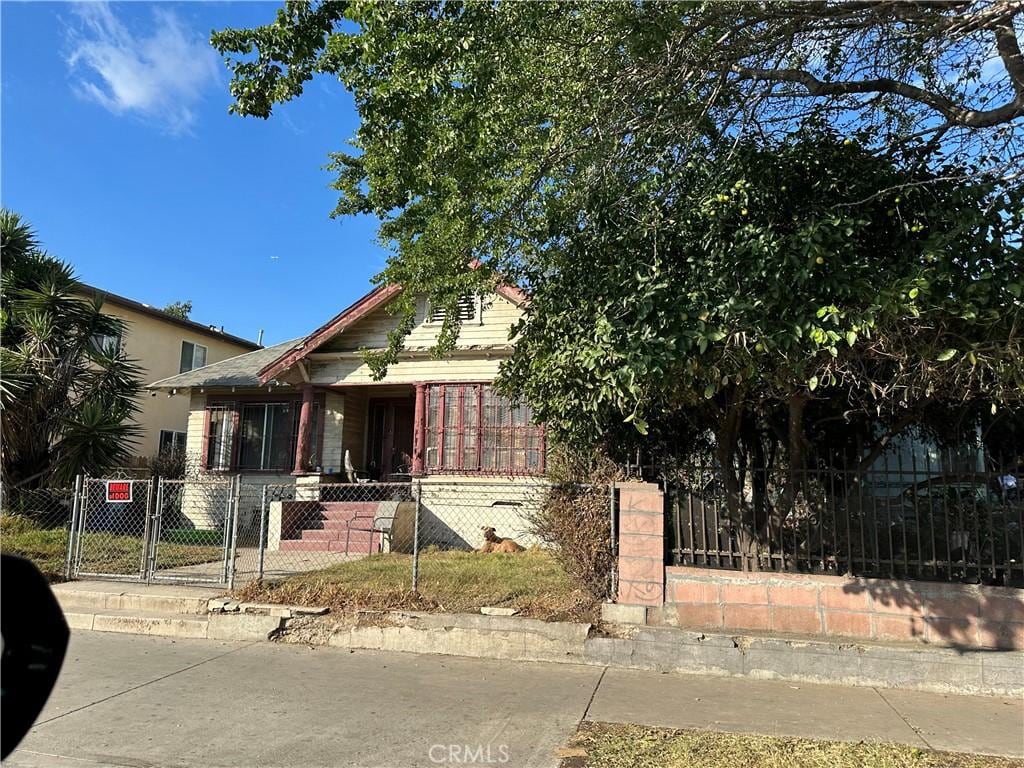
144, 309
376, 298
239, 371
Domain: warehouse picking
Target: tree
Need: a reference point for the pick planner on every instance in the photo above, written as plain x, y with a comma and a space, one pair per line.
778, 223
487, 128
68, 389
181, 309
775, 300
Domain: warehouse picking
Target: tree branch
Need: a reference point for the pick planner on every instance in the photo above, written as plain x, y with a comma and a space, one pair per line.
954, 113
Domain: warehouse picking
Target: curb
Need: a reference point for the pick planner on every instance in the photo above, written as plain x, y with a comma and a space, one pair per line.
242, 627
672, 650
514, 638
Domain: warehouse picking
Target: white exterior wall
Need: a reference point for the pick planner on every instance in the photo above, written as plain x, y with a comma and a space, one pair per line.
455, 508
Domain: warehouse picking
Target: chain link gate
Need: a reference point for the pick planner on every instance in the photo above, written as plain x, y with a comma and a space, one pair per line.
110, 528
180, 531
192, 532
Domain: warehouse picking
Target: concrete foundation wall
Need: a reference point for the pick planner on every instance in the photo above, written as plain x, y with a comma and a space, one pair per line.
454, 509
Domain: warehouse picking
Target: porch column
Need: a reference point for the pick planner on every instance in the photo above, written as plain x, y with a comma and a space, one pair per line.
419, 429
305, 430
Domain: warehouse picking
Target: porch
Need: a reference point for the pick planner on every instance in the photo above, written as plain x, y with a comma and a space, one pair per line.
369, 433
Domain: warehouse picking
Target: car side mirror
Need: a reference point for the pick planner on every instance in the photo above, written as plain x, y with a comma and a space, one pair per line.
35, 637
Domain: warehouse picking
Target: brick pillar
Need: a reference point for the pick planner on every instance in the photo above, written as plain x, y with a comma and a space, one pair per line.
641, 544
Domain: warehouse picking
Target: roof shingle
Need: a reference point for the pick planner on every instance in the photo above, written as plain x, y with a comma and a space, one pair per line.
240, 371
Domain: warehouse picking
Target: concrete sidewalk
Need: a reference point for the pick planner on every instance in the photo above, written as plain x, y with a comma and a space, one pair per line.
126, 700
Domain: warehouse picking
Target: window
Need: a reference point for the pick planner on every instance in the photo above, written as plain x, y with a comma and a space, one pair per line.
471, 428
219, 436
107, 343
469, 310
257, 436
171, 441
266, 432
192, 356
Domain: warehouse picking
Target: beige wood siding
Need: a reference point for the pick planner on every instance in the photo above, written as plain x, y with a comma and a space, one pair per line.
355, 371
353, 435
194, 431
334, 426
492, 329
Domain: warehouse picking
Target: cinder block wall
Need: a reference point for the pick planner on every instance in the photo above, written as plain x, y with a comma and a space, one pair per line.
964, 615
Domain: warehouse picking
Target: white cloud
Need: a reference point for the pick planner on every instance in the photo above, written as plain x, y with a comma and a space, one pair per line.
159, 75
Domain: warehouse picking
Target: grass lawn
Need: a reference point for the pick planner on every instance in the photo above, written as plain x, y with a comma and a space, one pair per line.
101, 552
601, 745
532, 582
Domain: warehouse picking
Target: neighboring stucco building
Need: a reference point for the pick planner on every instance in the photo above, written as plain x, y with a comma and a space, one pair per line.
165, 345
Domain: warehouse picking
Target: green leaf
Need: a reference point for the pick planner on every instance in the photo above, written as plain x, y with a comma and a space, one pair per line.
851, 337
812, 383
913, 293
946, 354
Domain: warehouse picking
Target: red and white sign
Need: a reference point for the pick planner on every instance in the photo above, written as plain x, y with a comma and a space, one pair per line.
119, 491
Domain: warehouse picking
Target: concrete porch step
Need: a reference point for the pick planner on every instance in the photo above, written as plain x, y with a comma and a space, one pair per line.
336, 534
355, 546
341, 525
340, 509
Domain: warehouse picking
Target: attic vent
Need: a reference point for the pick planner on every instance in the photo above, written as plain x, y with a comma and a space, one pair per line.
468, 306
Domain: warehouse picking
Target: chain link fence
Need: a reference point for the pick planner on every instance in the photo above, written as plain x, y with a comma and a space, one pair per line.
440, 541
286, 529
36, 524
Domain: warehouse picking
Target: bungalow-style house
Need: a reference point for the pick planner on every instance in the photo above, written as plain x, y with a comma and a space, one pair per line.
292, 413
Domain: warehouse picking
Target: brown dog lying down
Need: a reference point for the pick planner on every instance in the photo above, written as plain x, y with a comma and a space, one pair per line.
494, 543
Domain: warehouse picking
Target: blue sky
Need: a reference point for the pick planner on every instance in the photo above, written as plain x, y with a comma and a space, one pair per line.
118, 148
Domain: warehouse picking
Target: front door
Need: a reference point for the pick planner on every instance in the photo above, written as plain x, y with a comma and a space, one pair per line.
390, 438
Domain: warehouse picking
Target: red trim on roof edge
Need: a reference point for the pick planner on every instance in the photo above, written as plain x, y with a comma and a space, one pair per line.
346, 317
516, 295
371, 301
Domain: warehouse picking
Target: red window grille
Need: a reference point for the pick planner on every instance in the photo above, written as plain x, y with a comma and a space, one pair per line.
471, 428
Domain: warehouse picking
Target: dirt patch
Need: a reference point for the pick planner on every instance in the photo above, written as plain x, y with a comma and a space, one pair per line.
604, 745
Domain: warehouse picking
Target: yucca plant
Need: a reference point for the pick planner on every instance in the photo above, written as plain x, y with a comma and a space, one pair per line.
66, 401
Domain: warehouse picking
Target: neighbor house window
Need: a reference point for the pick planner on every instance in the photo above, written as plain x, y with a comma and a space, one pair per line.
192, 356
172, 441
107, 343
257, 435
468, 306
471, 428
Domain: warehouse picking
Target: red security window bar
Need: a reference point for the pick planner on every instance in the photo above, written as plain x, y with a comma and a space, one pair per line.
471, 428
